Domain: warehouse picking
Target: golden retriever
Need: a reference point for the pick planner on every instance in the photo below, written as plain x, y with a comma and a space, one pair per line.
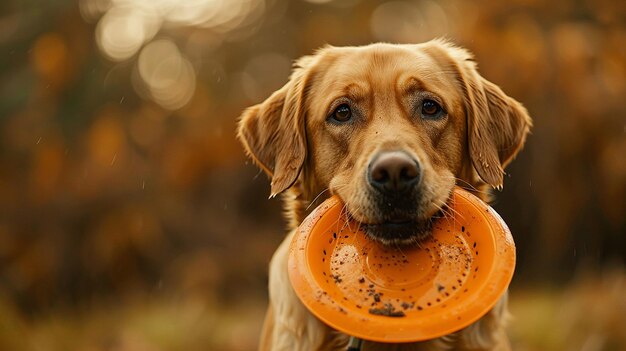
390, 129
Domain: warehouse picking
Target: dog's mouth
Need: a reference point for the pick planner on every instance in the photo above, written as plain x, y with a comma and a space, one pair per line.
399, 232
399, 223
401, 226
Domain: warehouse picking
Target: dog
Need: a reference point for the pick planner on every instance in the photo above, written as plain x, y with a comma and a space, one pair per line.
390, 129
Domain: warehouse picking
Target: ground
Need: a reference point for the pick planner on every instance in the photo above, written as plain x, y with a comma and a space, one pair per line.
587, 314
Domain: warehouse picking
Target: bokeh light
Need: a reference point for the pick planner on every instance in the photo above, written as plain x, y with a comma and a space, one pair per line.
122, 31
126, 26
410, 21
168, 76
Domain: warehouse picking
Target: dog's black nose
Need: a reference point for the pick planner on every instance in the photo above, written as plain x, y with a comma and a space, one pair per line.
393, 172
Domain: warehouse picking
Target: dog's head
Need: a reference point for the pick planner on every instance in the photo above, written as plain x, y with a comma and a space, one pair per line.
389, 128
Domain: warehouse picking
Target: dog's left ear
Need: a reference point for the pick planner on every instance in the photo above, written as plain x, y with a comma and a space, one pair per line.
497, 124
273, 134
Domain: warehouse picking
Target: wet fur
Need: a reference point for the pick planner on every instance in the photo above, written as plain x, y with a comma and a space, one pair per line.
307, 159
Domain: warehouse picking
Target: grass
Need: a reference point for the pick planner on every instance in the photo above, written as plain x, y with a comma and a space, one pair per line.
135, 325
588, 314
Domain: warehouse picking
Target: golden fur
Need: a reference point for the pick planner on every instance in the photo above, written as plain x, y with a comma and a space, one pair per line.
308, 159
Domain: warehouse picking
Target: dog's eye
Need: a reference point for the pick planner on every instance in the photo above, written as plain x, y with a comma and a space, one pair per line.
342, 113
431, 109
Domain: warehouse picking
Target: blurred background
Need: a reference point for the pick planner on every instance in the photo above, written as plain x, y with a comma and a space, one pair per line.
131, 220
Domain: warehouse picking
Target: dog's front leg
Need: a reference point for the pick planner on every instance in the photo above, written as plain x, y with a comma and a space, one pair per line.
288, 324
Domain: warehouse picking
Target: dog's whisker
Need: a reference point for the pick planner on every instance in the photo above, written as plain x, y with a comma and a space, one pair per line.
469, 185
315, 199
345, 215
447, 210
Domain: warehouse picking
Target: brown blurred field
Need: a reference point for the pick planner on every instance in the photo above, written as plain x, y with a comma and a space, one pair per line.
130, 219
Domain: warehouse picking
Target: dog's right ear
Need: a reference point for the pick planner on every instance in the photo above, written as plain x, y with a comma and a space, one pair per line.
273, 133
497, 124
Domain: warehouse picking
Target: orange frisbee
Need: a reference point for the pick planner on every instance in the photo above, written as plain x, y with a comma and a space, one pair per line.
406, 294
